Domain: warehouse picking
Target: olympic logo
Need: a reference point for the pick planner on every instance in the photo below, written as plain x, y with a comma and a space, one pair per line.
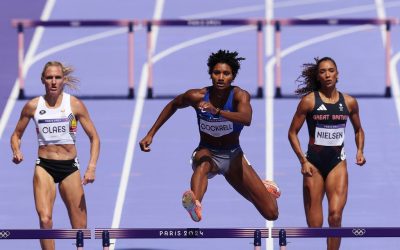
358, 231
4, 234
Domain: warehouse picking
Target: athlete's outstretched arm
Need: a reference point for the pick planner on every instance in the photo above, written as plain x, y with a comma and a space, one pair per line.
15, 141
184, 100
358, 130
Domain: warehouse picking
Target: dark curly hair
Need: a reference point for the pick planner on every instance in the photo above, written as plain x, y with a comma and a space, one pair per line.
225, 56
308, 80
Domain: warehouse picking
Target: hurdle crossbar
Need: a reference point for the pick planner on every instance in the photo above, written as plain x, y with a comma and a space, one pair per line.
388, 22
337, 21
16, 234
299, 232
176, 233
205, 22
21, 24
258, 23
338, 232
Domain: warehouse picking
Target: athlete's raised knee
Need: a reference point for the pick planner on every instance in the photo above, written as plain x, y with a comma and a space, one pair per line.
271, 214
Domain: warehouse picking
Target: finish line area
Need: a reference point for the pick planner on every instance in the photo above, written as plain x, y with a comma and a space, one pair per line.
105, 234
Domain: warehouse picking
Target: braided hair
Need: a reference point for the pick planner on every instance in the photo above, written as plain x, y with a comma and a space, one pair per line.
308, 80
225, 56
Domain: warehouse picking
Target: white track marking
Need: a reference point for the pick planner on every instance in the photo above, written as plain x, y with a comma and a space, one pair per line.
133, 133
380, 8
37, 36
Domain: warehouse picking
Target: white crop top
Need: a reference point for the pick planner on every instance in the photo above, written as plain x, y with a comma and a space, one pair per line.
55, 125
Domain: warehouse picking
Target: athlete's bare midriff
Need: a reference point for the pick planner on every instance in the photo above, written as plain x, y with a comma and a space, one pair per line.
57, 152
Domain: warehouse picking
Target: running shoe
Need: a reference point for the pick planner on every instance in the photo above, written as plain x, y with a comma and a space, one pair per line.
192, 205
272, 188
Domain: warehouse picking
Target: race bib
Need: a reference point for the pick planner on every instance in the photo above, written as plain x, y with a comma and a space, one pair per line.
216, 128
51, 129
329, 135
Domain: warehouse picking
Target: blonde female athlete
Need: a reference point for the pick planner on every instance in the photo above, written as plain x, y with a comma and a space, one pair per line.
56, 114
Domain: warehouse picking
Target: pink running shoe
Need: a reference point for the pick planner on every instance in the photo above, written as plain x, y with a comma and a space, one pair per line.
192, 205
272, 188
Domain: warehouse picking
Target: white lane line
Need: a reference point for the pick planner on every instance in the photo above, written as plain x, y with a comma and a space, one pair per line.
269, 156
269, 112
381, 13
75, 43
133, 133
380, 8
294, 3
269, 29
251, 8
328, 36
347, 11
37, 36
129, 154
220, 13
395, 83
199, 40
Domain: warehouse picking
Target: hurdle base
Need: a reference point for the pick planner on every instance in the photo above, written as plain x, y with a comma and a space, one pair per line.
388, 91
278, 93
21, 94
79, 239
131, 93
149, 93
260, 92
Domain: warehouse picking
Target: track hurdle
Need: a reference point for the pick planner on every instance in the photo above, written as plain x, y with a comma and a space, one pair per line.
17, 234
180, 233
278, 23
22, 24
256, 233
208, 23
343, 232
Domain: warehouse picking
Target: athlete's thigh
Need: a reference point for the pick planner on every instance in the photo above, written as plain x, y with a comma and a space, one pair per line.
337, 186
235, 173
251, 180
244, 179
313, 194
44, 190
203, 157
313, 188
72, 193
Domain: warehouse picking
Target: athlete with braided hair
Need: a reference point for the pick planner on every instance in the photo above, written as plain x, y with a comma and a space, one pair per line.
324, 166
222, 112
